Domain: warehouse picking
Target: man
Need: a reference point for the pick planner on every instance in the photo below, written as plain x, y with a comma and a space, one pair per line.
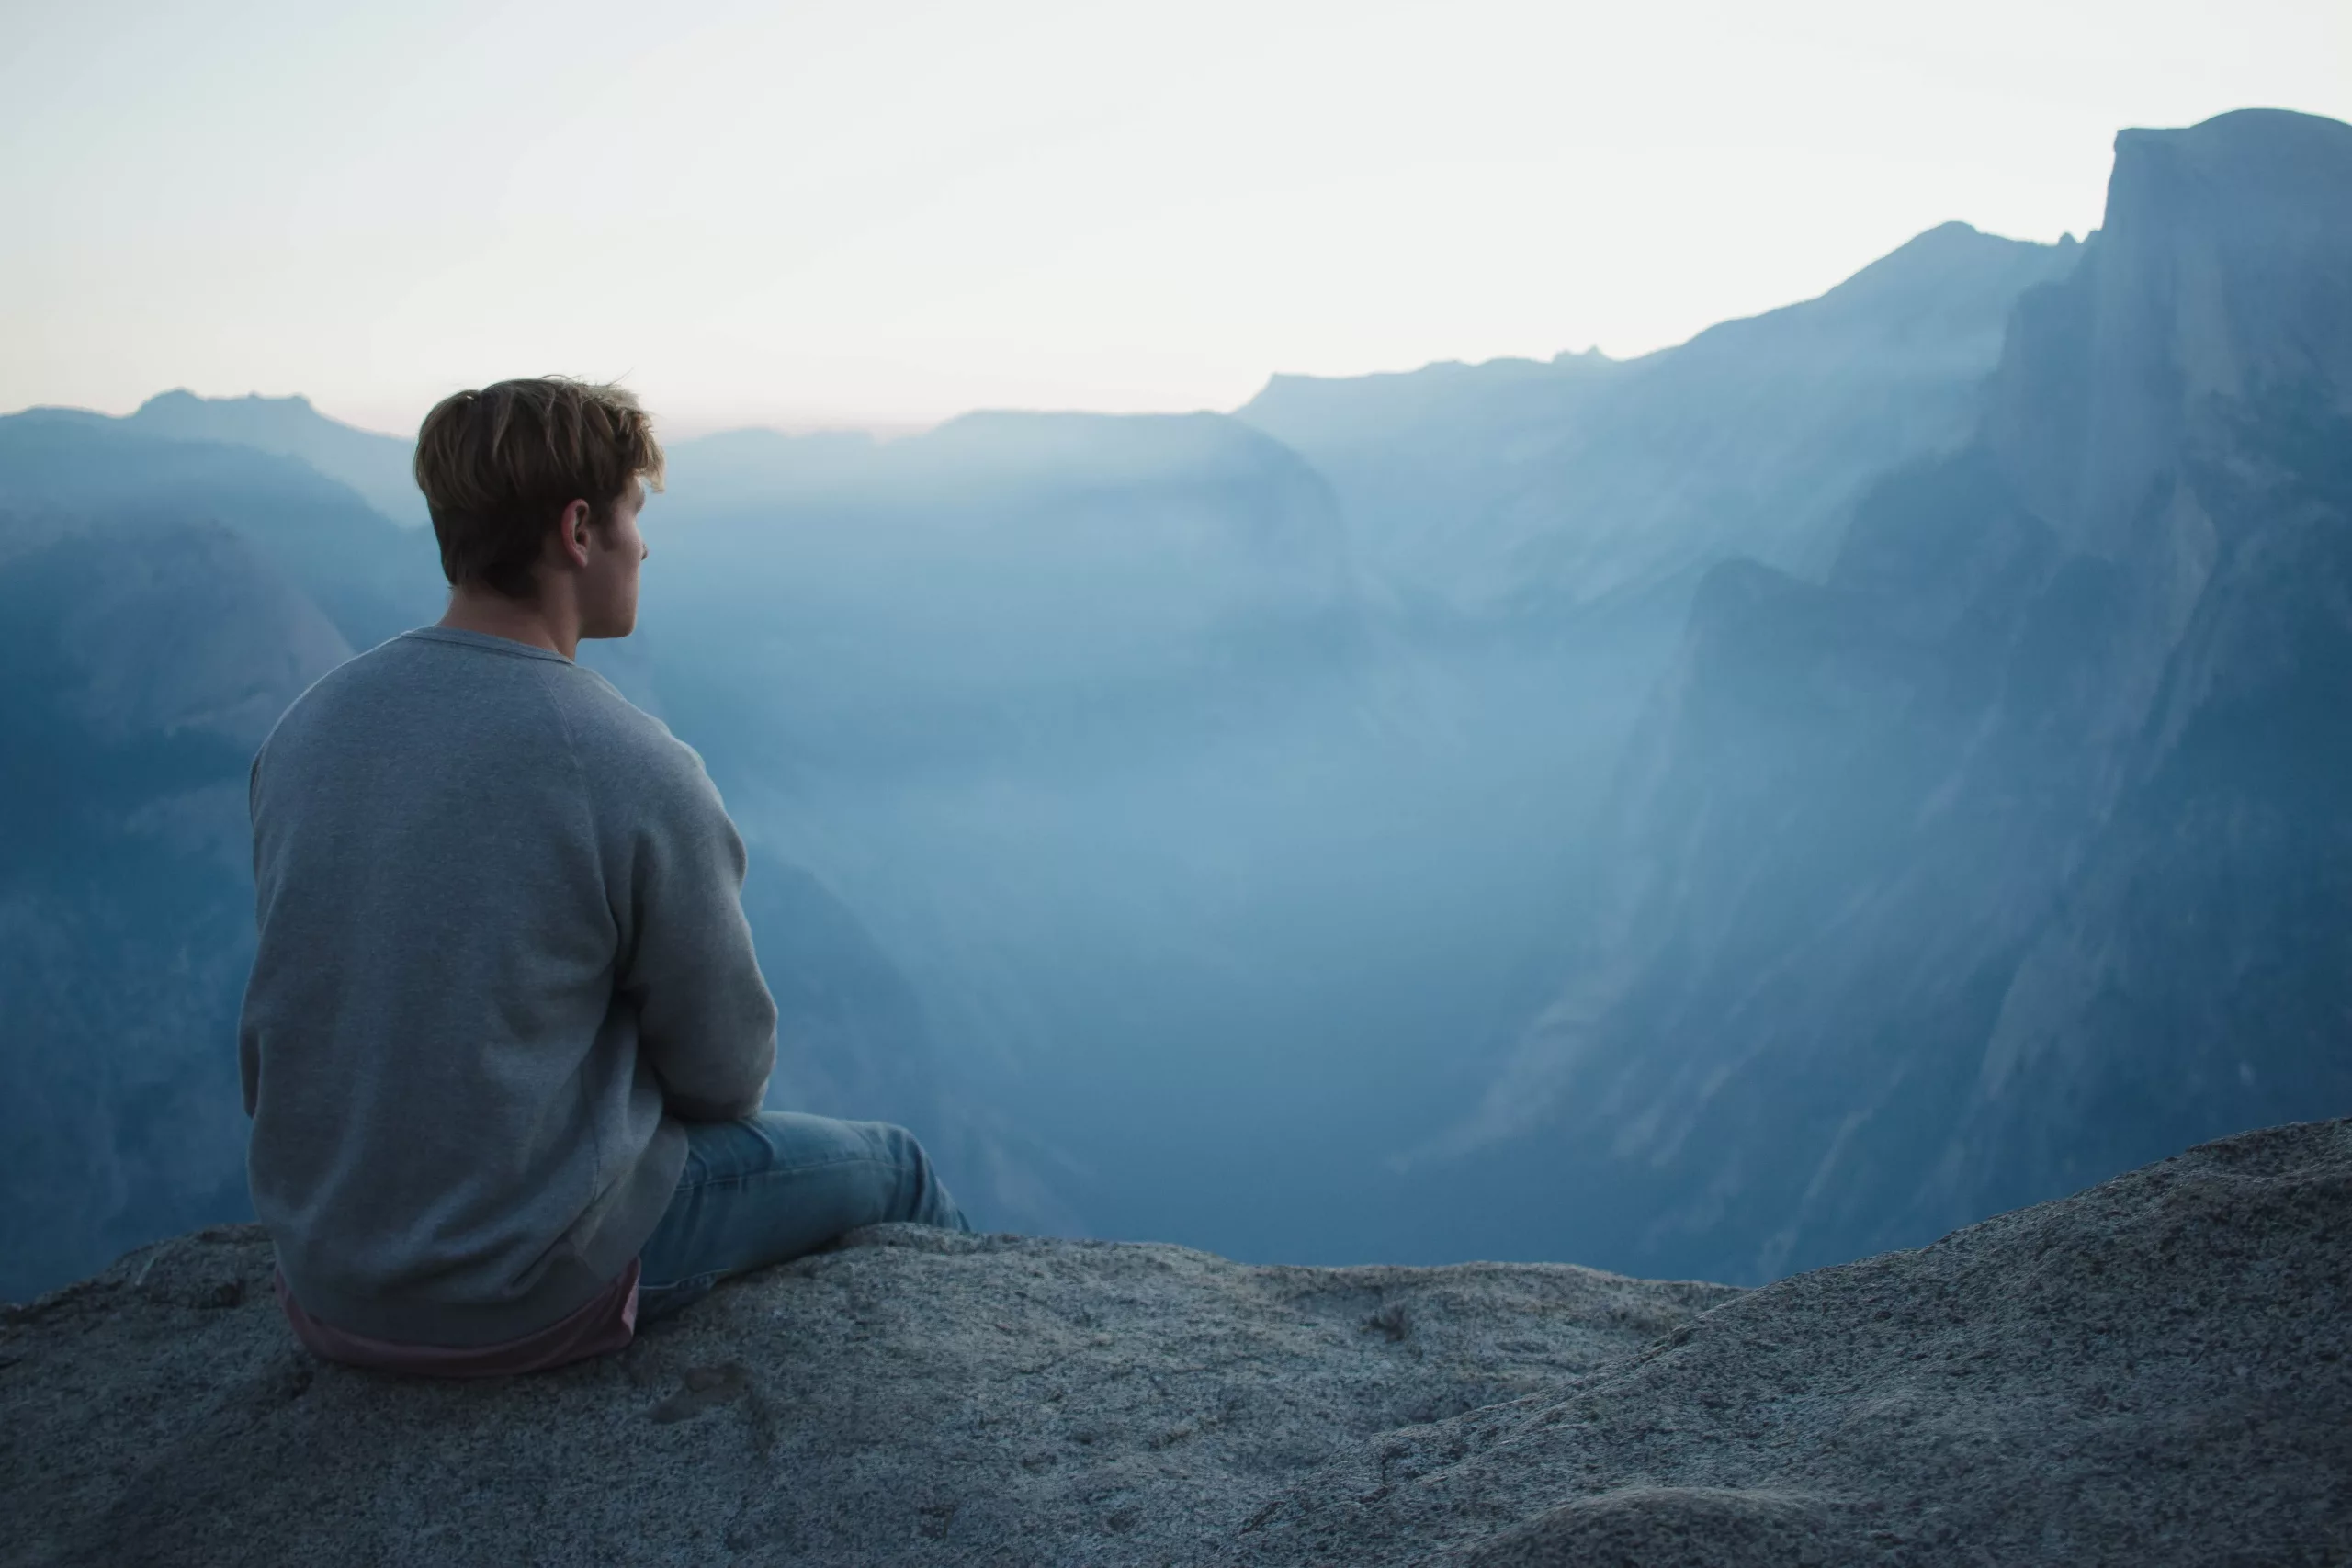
506, 1042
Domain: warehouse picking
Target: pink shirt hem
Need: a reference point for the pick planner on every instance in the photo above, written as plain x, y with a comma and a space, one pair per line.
606, 1323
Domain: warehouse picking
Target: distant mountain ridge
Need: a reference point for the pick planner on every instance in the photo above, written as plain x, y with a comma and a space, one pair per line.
1875, 763
1002, 559
2019, 846
372, 578
375, 466
1514, 487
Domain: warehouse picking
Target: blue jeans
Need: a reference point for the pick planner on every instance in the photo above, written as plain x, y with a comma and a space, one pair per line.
774, 1187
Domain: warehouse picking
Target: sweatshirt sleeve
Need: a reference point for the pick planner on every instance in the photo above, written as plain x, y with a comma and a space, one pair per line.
705, 1020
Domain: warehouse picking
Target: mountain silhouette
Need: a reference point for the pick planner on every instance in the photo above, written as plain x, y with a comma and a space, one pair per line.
59, 468
2016, 849
1744, 807
1518, 487
375, 466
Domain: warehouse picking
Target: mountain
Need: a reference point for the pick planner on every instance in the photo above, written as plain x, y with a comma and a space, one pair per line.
1004, 574
144, 664
161, 601
136, 692
1705, 814
2016, 849
1543, 526
1421, 458
1082, 716
373, 579
376, 466
1519, 488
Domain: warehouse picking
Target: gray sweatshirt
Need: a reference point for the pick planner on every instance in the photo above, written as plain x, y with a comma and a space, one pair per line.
502, 953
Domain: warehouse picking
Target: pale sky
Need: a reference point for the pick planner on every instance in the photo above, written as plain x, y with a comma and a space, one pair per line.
882, 211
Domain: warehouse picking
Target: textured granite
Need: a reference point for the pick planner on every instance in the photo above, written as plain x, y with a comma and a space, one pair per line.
2154, 1371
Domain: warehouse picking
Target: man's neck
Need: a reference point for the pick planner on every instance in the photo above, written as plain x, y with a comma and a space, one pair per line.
546, 624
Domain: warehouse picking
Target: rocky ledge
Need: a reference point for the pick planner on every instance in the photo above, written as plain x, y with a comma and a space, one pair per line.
2154, 1371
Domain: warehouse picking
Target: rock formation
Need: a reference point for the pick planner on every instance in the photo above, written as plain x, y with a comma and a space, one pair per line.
144, 664
376, 466
2152, 1372
1521, 488
2012, 854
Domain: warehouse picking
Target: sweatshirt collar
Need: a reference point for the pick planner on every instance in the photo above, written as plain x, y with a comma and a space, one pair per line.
485, 640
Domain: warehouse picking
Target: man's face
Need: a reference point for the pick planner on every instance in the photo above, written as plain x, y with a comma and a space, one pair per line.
608, 587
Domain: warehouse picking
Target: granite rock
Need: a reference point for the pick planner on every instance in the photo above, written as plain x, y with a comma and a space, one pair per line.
914, 1396
2156, 1370
2152, 1372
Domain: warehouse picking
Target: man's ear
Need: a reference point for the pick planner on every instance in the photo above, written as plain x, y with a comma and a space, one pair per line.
575, 532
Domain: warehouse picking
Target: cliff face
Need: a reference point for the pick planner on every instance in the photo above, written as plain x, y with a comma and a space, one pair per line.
144, 664
1518, 487
2153, 1372
2014, 851
2214, 472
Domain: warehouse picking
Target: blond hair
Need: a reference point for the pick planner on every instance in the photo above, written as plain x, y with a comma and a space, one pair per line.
498, 467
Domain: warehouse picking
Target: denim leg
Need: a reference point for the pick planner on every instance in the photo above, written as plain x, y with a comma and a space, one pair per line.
776, 1186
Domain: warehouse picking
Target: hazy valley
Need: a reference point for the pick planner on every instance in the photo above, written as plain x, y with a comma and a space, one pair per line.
1875, 764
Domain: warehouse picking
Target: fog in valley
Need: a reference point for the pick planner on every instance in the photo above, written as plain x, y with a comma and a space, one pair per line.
1705, 814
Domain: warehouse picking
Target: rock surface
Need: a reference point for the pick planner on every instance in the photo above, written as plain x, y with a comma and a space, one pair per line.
2154, 1371
917, 1396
